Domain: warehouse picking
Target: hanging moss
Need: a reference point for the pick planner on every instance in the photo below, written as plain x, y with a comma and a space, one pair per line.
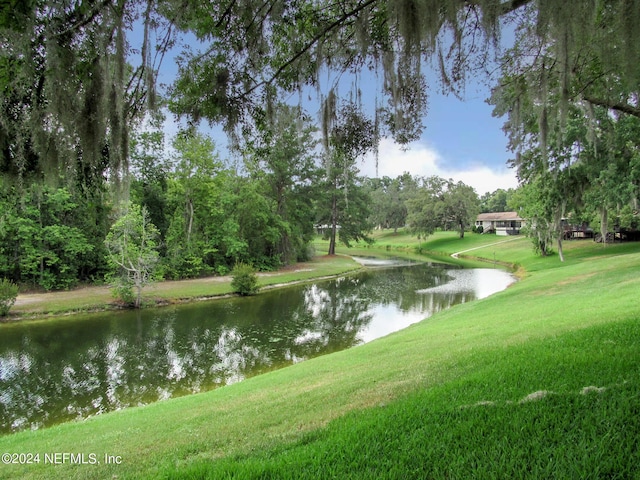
72, 90
71, 103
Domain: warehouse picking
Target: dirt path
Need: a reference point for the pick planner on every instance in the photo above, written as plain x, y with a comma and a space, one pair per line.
455, 255
36, 298
92, 298
92, 292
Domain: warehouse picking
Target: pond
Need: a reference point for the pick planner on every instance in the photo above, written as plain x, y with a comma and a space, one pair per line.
72, 368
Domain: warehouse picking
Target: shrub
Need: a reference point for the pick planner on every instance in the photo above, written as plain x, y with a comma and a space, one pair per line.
123, 291
245, 280
8, 295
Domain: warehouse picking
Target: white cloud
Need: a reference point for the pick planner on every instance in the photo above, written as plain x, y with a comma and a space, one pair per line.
422, 160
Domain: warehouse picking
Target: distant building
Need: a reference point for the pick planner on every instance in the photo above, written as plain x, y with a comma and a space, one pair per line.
502, 223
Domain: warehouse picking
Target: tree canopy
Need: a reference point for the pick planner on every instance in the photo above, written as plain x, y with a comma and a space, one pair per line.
74, 75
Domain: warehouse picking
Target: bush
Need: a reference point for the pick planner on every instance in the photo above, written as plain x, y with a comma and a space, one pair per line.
123, 291
8, 295
245, 280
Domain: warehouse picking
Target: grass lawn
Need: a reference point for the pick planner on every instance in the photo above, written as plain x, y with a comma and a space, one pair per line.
541, 380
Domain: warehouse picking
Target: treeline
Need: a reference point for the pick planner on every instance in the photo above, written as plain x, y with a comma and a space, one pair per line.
204, 214
423, 204
209, 216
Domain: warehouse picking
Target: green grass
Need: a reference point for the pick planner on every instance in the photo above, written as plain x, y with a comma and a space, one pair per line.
440, 399
485, 424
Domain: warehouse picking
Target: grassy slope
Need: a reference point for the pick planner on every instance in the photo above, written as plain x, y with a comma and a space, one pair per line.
442, 398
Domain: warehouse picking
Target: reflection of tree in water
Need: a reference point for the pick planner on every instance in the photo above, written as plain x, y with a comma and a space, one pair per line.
52, 372
335, 314
19, 385
400, 286
81, 369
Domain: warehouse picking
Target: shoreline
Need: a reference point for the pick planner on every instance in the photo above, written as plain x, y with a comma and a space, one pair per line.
95, 299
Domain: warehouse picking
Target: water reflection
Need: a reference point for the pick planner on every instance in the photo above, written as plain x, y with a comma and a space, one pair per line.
476, 283
59, 370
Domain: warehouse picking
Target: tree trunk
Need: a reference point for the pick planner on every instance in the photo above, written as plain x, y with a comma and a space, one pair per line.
334, 225
559, 228
138, 284
560, 254
603, 225
138, 296
542, 245
461, 230
190, 225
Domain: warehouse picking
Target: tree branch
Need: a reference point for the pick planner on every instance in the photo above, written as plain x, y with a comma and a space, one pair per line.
512, 6
336, 23
618, 106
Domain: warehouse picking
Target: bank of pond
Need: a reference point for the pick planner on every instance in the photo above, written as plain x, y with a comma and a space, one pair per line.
64, 369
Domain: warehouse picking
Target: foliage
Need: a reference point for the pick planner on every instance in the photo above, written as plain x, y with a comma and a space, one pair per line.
570, 121
70, 100
73, 113
344, 208
388, 200
151, 171
496, 201
8, 295
535, 204
43, 235
200, 199
67, 110
133, 255
440, 203
245, 280
243, 67
281, 157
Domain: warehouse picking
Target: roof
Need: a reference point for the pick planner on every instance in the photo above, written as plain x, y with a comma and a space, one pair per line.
499, 216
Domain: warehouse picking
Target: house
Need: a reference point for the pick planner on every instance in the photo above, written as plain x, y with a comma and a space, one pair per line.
502, 223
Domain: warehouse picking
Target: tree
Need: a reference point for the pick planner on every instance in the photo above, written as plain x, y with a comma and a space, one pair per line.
69, 96
545, 201
133, 252
196, 207
388, 197
425, 208
344, 204
495, 201
68, 103
441, 203
42, 237
611, 165
461, 206
563, 110
282, 158
150, 170
245, 65
8, 295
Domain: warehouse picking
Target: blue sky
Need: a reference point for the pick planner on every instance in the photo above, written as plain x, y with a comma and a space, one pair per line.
461, 140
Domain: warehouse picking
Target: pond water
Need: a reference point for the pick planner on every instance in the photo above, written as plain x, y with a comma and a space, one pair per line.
72, 368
